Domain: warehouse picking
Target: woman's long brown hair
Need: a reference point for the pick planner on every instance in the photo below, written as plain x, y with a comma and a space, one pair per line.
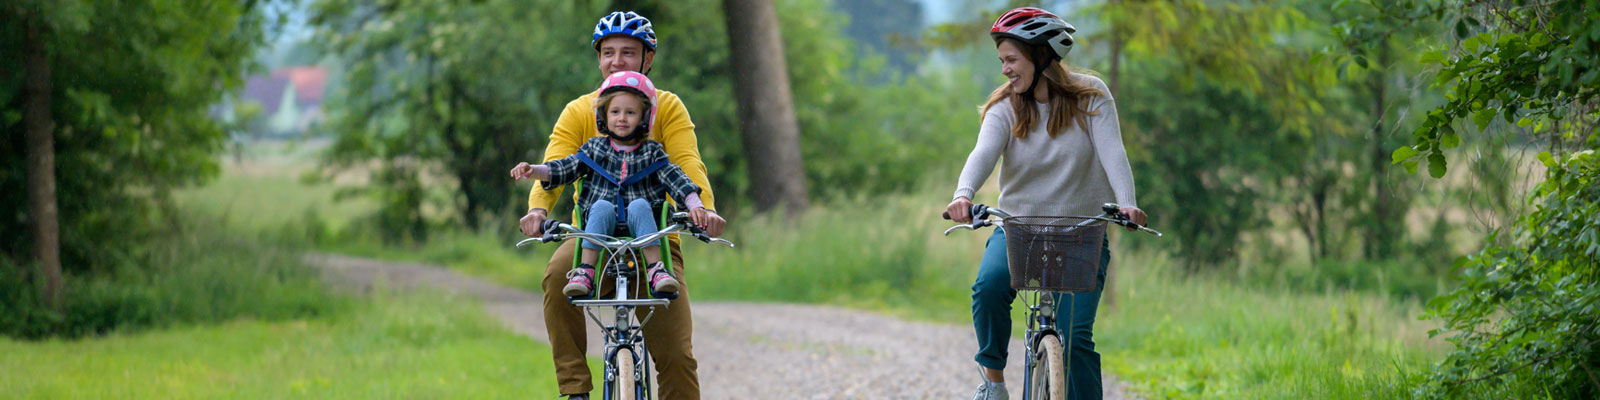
1068, 98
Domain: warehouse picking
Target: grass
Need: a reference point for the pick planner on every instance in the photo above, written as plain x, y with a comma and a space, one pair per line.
194, 272
1262, 330
224, 309
1172, 335
1176, 336
264, 190
391, 347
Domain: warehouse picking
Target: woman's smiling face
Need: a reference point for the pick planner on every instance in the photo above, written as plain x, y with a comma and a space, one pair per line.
1015, 66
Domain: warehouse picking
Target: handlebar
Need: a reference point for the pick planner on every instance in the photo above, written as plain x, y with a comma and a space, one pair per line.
555, 231
981, 213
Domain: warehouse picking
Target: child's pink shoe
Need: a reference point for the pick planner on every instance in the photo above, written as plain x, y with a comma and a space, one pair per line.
580, 281
661, 280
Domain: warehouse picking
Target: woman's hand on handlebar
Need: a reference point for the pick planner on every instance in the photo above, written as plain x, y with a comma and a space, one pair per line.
960, 210
1133, 214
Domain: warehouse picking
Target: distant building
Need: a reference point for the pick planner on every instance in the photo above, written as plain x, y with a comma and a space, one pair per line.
290, 98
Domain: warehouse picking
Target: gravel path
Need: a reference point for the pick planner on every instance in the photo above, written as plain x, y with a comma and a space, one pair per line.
750, 350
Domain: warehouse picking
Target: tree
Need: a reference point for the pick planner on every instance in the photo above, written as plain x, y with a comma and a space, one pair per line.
766, 110
41, 159
1374, 70
448, 94
1205, 164
862, 135
1523, 318
871, 27
120, 92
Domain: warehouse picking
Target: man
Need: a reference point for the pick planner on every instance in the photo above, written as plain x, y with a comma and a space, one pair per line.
623, 41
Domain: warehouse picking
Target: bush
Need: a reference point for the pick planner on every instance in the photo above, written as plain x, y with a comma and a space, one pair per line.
1523, 320
191, 275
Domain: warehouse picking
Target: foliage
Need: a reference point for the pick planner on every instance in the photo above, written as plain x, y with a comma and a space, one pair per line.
195, 275
1200, 165
447, 93
498, 82
132, 83
872, 26
1535, 64
1523, 317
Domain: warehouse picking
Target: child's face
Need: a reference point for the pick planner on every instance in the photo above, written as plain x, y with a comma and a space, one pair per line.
624, 113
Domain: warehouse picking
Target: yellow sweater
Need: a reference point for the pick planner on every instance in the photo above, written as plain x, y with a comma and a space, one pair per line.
672, 128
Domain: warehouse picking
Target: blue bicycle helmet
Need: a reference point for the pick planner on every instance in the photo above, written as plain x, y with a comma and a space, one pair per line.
624, 23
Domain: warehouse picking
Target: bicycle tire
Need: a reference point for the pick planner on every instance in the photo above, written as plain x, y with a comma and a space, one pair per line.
1049, 376
624, 384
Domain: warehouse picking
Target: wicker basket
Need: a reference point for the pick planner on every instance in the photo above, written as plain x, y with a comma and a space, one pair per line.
1054, 253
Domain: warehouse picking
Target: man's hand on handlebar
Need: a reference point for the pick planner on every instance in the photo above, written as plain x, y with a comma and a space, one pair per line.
708, 220
531, 224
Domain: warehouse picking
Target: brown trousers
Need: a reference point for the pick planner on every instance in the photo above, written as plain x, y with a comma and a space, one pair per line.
667, 335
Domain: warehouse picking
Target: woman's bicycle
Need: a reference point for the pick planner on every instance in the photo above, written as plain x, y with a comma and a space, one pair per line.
627, 361
1048, 256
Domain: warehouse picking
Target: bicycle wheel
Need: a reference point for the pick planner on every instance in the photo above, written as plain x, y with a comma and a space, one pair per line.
624, 384
1049, 381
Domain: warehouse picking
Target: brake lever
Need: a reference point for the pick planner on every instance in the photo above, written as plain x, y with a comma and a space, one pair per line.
1123, 220
976, 223
954, 228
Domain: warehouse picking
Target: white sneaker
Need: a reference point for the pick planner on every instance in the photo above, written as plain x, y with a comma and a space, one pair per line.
991, 392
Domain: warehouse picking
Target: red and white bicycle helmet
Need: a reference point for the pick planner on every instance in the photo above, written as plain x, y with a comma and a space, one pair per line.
633, 82
1035, 27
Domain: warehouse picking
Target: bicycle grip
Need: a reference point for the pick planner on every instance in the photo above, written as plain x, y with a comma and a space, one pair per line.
548, 225
977, 212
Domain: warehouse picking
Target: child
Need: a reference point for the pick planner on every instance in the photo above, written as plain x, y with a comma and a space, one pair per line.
623, 167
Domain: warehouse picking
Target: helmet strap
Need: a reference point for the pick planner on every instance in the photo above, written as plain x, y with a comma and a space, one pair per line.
1039, 53
639, 133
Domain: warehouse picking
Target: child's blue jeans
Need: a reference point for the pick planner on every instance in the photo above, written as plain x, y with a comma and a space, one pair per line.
603, 218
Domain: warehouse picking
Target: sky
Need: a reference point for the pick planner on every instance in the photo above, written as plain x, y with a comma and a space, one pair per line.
934, 12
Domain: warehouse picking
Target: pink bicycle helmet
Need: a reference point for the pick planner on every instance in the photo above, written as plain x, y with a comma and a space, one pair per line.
633, 82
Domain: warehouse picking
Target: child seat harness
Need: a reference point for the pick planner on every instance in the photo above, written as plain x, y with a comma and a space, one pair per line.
635, 177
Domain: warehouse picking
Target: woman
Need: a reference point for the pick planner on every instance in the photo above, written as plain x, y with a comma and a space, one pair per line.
1062, 146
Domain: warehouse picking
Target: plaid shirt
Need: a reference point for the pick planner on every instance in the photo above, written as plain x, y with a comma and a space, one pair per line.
668, 180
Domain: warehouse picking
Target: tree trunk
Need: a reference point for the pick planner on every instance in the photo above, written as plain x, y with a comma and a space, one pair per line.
766, 111
1108, 293
1379, 241
41, 164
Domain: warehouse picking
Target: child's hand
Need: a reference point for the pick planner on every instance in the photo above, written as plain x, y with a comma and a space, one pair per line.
522, 171
707, 220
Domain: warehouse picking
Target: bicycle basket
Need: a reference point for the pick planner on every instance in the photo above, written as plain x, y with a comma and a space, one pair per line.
1060, 254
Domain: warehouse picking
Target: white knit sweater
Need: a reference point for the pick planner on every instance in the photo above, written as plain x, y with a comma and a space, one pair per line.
1045, 176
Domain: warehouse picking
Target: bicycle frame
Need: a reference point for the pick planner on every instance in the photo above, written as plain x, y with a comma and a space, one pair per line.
623, 265
1042, 308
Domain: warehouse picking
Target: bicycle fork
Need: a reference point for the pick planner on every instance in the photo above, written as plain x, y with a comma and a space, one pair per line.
1041, 323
